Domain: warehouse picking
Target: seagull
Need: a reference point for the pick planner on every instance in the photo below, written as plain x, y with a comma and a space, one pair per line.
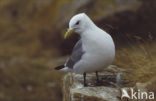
94, 51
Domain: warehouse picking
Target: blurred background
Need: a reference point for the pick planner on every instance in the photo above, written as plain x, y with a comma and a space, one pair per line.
32, 44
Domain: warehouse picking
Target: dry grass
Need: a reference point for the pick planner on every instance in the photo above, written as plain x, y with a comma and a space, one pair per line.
31, 79
139, 59
25, 78
28, 42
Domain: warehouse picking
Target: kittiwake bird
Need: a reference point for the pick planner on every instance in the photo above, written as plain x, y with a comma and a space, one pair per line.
94, 51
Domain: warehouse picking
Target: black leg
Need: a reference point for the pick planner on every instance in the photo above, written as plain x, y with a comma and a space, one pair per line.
97, 77
84, 77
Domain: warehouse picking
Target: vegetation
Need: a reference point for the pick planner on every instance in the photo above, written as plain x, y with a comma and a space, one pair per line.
139, 60
31, 43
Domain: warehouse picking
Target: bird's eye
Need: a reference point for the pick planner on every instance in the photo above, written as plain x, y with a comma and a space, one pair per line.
77, 22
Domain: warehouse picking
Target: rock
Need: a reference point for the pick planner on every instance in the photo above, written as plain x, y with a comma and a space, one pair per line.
73, 90
108, 90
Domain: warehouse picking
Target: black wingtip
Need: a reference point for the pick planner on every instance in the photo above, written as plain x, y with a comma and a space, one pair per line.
59, 67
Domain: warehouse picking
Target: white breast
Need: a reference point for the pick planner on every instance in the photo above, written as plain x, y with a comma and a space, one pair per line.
100, 51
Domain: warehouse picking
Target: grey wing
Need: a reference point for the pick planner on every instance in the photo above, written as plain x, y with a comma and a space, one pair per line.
76, 55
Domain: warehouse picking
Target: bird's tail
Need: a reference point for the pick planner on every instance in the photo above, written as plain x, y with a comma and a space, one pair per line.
63, 68
59, 67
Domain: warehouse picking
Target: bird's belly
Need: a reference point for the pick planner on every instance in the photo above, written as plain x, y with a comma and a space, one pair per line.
93, 62
96, 57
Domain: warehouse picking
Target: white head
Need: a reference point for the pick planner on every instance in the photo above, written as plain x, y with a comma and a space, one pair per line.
79, 23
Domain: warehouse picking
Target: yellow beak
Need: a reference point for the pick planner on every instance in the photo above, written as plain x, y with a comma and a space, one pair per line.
68, 33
